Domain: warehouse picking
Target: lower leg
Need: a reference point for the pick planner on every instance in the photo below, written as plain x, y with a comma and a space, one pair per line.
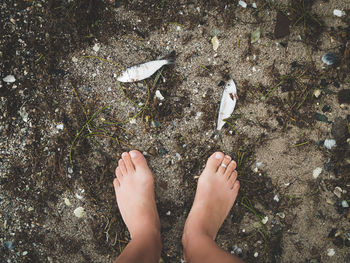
134, 188
144, 248
216, 193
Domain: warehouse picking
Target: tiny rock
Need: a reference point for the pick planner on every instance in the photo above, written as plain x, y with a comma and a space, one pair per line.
242, 4
96, 47
330, 252
67, 202
159, 95
338, 12
60, 126
338, 191
79, 212
256, 254
317, 93
329, 143
317, 172
9, 79
215, 43
276, 198
264, 220
344, 204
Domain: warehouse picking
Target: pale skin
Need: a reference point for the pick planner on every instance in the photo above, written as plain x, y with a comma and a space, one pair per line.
216, 193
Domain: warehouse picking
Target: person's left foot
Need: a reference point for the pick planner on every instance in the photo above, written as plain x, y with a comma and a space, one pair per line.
134, 189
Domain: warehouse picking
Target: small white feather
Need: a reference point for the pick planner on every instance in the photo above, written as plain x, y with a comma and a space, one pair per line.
228, 103
143, 71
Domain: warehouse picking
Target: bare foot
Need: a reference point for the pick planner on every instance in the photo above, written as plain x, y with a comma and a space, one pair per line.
217, 190
134, 189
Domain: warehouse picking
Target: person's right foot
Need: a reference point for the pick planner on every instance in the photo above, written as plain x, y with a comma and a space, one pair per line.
216, 193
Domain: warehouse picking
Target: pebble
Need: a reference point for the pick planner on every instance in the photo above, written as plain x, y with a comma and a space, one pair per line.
254, 5
242, 4
329, 58
256, 254
67, 202
264, 220
79, 212
276, 198
159, 95
24, 253
96, 47
9, 245
9, 79
317, 93
168, 213
338, 12
60, 126
338, 191
74, 59
330, 252
344, 204
329, 143
317, 172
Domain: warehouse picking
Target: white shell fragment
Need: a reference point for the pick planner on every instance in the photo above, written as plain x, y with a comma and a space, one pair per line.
330, 252
9, 79
215, 42
254, 5
276, 198
228, 103
317, 172
338, 13
159, 95
264, 220
143, 71
329, 143
242, 4
79, 212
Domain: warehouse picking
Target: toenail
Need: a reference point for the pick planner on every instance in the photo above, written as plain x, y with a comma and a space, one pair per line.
227, 157
124, 154
133, 154
218, 156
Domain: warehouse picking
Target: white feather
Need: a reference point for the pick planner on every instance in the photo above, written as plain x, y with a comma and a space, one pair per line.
143, 71
228, 103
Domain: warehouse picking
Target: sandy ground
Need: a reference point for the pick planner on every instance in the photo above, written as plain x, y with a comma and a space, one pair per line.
61, 144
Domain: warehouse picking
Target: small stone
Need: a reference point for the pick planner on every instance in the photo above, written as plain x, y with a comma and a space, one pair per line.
168, 213
67, 202
79, 212
74, 59
338, 12
317, 172
30, 209
60, 126
276, 198
9, 245
329, 143
159, 95
338, 191
264, 220
344, 204
256, 254
329, 58
24, 253
330, 252
317, 93
242, 4
96, 47
254, 5
9, 79
70, 170
215, 43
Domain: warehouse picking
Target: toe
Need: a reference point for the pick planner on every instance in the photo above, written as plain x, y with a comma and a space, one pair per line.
233, 179
214, 162
138, 160
116, 183
118, 173
230, 168
223, 166
128, 163
122, 167
235, 188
